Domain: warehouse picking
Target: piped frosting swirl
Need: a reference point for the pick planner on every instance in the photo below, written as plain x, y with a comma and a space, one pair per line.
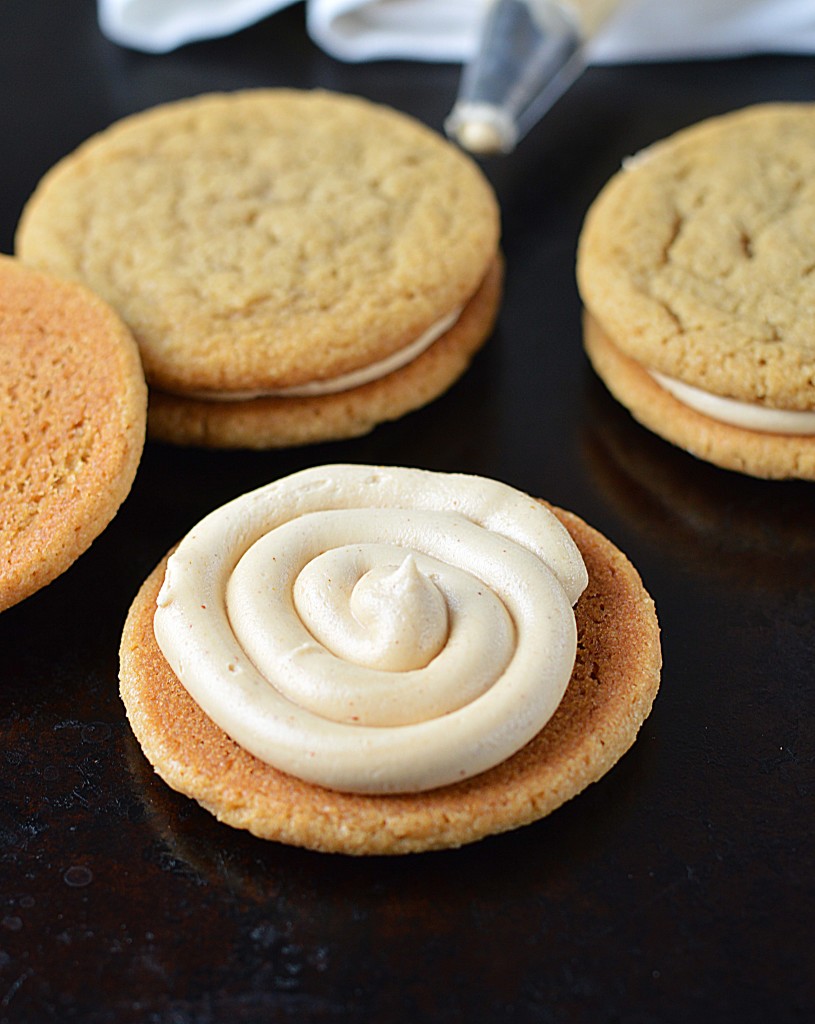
375, 629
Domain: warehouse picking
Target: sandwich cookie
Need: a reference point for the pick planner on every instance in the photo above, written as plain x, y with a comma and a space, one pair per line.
72, 424
295, 266
695, 265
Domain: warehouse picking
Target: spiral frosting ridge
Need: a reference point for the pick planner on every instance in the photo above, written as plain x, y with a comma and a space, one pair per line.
375, 629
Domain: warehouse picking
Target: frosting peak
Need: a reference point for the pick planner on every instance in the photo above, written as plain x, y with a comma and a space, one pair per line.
404, 613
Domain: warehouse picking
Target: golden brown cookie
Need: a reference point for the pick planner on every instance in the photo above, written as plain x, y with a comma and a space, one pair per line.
615, 679
695, 263
72, 424
266, 240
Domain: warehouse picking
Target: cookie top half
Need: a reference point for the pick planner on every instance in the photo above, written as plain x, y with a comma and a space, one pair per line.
266, 238
72, 423
698, 258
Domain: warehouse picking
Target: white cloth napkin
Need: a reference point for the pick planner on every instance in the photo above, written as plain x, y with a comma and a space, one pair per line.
447, 30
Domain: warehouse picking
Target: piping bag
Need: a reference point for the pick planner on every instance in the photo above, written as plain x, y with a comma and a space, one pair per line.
529, 53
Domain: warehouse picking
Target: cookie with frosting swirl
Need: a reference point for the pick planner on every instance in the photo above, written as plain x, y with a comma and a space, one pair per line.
390, 642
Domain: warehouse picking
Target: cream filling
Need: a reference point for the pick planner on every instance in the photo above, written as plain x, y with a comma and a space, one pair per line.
375, 630
739, 414
346, 381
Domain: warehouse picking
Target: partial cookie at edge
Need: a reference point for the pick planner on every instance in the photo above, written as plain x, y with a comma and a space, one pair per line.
696, 257
72, 427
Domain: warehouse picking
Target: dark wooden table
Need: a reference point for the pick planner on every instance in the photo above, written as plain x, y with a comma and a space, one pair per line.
678, 889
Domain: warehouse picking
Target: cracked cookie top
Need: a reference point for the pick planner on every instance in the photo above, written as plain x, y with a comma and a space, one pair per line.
698, 257
267, 238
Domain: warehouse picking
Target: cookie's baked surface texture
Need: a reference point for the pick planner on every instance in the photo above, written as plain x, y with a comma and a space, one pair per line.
697, 260
72, 424
266, 238
615, 679
769, 456
285, 422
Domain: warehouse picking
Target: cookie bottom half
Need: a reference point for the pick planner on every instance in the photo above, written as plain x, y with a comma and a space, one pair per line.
764, 455
615, 680
281, 422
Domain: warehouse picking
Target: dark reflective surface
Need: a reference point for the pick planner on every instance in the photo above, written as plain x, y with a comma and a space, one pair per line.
679, 888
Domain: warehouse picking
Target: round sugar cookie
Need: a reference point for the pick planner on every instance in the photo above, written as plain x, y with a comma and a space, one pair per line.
288, 422
752, 452
695, 265
613, 684
267, 239
696, 259
72, 424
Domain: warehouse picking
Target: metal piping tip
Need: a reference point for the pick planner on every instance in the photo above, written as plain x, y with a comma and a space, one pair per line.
529, 53
481, 128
